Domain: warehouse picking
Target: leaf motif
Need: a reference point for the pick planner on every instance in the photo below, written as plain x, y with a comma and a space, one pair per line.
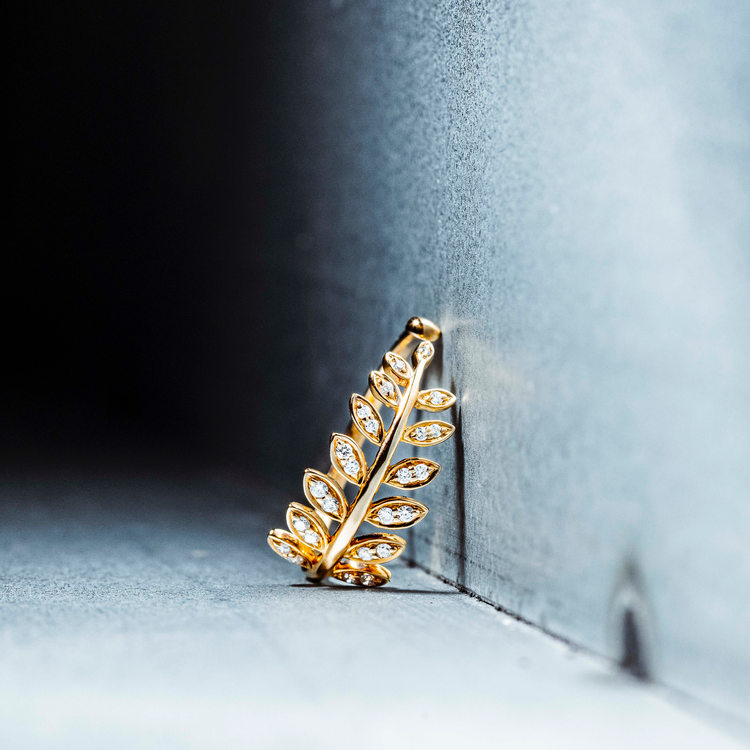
428, 433
324, 494
288, 546
307, 526
423, 353
411, 473
361, 575
398, 368
436, 399
396, 513
348, 458
366, 418
379, 548
384, 388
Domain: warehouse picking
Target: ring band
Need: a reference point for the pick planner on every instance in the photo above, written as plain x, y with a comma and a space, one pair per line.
310, 542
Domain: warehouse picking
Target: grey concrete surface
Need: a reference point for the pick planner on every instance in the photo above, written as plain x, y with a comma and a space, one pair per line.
564, 188
154, 616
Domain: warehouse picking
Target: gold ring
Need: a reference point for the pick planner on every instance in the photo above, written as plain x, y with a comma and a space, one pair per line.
311, 541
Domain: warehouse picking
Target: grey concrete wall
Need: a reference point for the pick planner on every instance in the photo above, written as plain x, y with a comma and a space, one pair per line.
564, 188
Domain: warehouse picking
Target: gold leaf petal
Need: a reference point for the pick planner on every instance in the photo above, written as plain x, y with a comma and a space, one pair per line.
424, 352
428, 433
396, 513
361, 575
411, 473
378, 548
384, 388
307, 526
436, 399
366, 418
324, 494
348, 458
398, 368
288, 546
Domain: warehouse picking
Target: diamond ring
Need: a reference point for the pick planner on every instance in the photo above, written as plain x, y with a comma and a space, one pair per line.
321, 537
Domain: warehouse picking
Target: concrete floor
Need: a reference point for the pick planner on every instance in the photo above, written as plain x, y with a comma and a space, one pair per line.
158, 618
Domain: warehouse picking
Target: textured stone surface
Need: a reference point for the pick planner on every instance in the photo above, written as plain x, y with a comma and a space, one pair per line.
169, 624
564, 189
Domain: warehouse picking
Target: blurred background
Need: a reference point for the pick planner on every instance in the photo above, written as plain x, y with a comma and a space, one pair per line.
135, 286
221, 217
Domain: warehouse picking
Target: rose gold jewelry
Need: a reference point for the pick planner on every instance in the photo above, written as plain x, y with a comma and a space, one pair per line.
310, 541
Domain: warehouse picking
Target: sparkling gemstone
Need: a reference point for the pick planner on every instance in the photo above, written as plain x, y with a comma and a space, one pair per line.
344, 450
297, 559
421, 471
330, 504
405, 514
364, 553
284, 549
318, 489
351, 467
386, 387
367, 579
349, 578
398, 364
311, 537
301, 524
384, 550
425, 349
363, 411
385, 515
404, 475
435, 430
436, 398
371, 426
421, 433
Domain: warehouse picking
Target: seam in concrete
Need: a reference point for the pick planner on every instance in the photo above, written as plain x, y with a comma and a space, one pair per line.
731, 724
464, 590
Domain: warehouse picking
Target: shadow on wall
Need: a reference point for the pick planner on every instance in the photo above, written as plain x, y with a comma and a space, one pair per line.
631, 625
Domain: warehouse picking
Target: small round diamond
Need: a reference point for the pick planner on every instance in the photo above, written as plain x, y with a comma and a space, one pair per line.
435, 430
436, 398
301, 524
330, 504
371, 426
284, 549
363, 411
385, 515
367, 579
318, 489
405, 514
364, 553
425, 349
297, 559
351, 467
404, 475
384, 550
349, 578
386, 387
421, 433
311, 537
398, 364
344, 450
421, 471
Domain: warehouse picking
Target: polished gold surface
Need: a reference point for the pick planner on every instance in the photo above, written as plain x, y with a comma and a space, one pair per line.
312, 544
366, 419
430, 432
396, 513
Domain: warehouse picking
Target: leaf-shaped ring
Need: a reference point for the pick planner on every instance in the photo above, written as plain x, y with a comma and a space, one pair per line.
321, 539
